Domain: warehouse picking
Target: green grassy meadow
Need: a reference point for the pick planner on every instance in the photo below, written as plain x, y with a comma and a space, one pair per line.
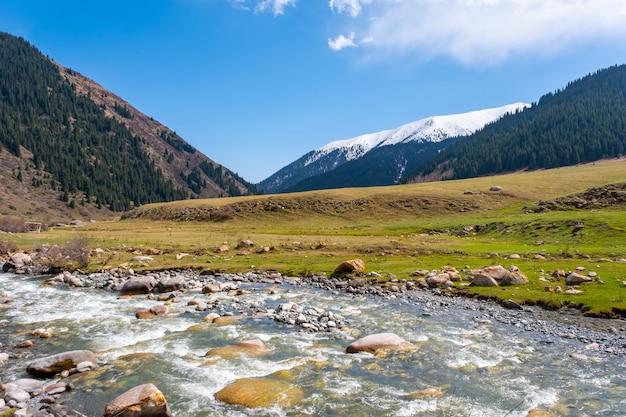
395, 230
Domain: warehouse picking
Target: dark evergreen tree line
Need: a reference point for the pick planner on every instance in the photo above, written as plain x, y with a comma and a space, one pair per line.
584, 122
177, 142
69, 135
228, 182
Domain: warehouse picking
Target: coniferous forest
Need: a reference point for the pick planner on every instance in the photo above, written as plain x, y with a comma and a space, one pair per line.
73, 145
584, 122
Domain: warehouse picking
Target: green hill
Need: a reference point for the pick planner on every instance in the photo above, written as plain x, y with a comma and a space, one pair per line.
65, 138
584, 122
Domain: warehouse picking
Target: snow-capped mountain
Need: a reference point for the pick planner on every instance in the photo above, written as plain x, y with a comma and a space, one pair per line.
398, 149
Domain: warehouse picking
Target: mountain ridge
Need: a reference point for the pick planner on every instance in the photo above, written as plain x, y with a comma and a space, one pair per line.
154, 131
69, 147
583, 122
328, 158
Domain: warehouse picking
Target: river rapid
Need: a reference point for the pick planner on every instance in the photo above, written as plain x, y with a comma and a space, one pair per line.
482, 363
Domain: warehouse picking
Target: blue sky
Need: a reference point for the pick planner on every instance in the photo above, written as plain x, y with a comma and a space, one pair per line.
255, 84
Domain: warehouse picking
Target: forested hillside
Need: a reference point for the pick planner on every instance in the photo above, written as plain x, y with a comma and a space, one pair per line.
57, 137
383, 165
380, 158
584, 122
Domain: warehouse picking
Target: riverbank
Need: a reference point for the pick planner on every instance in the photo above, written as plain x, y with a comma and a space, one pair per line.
608, 334
584, 339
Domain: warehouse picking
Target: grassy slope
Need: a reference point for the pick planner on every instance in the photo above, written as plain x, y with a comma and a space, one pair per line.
395, 230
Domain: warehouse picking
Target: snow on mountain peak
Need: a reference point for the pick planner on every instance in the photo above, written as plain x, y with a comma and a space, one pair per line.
430, 129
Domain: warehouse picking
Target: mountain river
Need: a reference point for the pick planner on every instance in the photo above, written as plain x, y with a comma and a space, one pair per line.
483, 367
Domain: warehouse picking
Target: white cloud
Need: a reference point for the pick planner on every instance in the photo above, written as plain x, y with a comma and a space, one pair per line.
341, 42
277, 6
352, 7
479, 32
239, 4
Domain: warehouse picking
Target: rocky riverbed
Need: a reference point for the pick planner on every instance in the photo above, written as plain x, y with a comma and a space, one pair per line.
597, 336
608, 334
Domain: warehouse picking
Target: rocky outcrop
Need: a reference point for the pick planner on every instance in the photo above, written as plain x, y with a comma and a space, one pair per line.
499, 274
480, 280
376, 342
142, 401
612, 195
17, 262
66, 361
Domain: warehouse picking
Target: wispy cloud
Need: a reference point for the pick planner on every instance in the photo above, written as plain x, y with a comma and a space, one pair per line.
341, 42
276, 6
239, 4
472, 32
352, 7
478, 32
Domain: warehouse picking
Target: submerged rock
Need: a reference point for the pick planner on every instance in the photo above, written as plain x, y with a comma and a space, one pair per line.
260, 392
142, 401
426, 393
157, 310
537, 412
245, 348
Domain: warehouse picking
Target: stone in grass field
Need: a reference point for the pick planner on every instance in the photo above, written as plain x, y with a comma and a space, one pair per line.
350, 266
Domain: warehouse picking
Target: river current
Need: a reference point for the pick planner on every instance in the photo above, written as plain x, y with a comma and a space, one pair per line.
483, 368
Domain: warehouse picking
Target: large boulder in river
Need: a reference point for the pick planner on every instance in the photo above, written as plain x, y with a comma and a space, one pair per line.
142, 401
52, 365
378, 341
347, 267
21, 259
260, 392
139, 285
16, 261
172, 283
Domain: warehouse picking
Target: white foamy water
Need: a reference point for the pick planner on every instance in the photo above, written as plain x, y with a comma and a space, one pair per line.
487, 370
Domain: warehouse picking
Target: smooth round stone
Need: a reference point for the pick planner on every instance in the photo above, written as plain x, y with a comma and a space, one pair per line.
260, 392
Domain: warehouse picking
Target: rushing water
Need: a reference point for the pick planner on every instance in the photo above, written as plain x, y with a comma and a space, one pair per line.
484, 369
